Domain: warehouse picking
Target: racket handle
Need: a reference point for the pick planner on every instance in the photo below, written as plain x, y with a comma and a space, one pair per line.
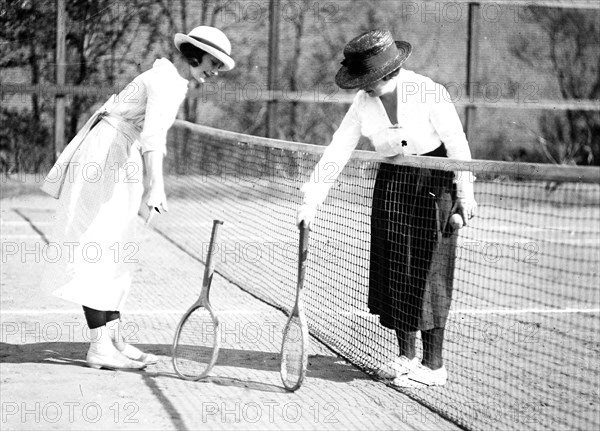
214, 237
304, 230
302, 250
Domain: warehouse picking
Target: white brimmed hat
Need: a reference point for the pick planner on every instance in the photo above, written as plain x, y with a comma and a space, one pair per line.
211, 40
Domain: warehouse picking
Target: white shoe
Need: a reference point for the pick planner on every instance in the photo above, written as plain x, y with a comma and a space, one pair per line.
136, 354
398, 367
114, 328
423, 376
114, 360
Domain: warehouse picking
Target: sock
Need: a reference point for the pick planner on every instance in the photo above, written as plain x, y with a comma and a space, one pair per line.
100, 341
114, 329
112, 315
406, 343
94, 318
433, 341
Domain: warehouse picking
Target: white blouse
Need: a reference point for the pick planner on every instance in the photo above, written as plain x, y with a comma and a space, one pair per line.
151, 102
426, 118
144, 110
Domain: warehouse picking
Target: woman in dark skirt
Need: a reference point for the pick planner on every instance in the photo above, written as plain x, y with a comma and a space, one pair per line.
412, 257
413, 246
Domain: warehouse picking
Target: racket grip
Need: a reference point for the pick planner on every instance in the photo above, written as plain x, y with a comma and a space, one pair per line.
302, 251
214, 237
304, 231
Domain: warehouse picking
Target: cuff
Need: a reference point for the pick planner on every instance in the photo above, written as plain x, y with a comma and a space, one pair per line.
312, 195
465, 185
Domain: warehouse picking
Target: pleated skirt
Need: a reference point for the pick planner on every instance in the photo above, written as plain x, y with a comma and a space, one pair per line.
413, 247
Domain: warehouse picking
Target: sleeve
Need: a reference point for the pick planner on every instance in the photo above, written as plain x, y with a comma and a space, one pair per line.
447, 124
335, 157
164, 95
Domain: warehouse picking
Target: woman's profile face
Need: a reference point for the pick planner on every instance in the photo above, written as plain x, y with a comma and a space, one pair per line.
380, 88
207, 68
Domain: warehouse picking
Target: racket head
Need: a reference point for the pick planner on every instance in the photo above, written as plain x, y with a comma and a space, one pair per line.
294, 352
196, 344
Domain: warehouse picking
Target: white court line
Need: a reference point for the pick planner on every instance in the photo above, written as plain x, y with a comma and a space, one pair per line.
502, 311
127, 312
275, 311
22, 223
23, 236
510, 242
543, 229
528, 310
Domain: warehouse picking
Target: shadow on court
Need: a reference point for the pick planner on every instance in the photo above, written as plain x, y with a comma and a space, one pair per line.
330, 368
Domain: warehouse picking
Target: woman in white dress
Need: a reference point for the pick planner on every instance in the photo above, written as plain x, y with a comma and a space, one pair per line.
412, 243
107, 171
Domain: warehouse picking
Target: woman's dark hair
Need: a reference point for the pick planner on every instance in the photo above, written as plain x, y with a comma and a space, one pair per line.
190, 51
391, 74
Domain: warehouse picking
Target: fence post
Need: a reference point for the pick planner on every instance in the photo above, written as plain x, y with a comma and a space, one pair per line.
472, 50
274, 11
59, 107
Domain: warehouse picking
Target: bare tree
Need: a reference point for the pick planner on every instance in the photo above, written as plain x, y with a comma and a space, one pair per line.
569, 50
23, 135
96, 28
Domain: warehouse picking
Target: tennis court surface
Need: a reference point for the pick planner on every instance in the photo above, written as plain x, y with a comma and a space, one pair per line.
522, 339
46, 385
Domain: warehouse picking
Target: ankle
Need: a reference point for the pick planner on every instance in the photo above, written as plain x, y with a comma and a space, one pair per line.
120, 345
100, 336
433, 365
102, 346
114, 329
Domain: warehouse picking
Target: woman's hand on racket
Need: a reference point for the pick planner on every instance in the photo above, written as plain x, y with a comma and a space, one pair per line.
306, 214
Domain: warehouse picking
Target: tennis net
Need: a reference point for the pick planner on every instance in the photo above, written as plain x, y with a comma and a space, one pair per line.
521, 345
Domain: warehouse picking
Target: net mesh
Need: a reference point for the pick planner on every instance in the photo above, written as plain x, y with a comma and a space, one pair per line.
521, 339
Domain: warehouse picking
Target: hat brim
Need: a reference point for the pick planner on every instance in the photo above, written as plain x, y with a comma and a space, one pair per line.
228, 62
346, 80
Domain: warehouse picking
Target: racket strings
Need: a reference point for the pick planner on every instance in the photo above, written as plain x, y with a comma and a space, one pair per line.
293, 354
193, 354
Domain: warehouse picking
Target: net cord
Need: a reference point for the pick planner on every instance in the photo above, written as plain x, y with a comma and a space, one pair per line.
511, 170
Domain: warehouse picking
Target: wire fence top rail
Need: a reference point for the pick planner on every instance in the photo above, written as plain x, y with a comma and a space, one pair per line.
566, 4
245, 91
518, 170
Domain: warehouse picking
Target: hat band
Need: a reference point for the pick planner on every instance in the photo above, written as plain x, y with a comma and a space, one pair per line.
209, 43
359, 65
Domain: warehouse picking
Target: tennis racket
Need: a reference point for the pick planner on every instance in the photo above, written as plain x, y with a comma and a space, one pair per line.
294, 348
196, 343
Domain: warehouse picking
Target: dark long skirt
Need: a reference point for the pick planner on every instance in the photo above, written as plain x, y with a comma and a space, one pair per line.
413, 247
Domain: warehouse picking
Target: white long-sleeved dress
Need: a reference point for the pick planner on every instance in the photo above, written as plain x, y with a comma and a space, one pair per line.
98, 180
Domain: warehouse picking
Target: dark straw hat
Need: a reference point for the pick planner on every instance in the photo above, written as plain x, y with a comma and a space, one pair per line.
370, 57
